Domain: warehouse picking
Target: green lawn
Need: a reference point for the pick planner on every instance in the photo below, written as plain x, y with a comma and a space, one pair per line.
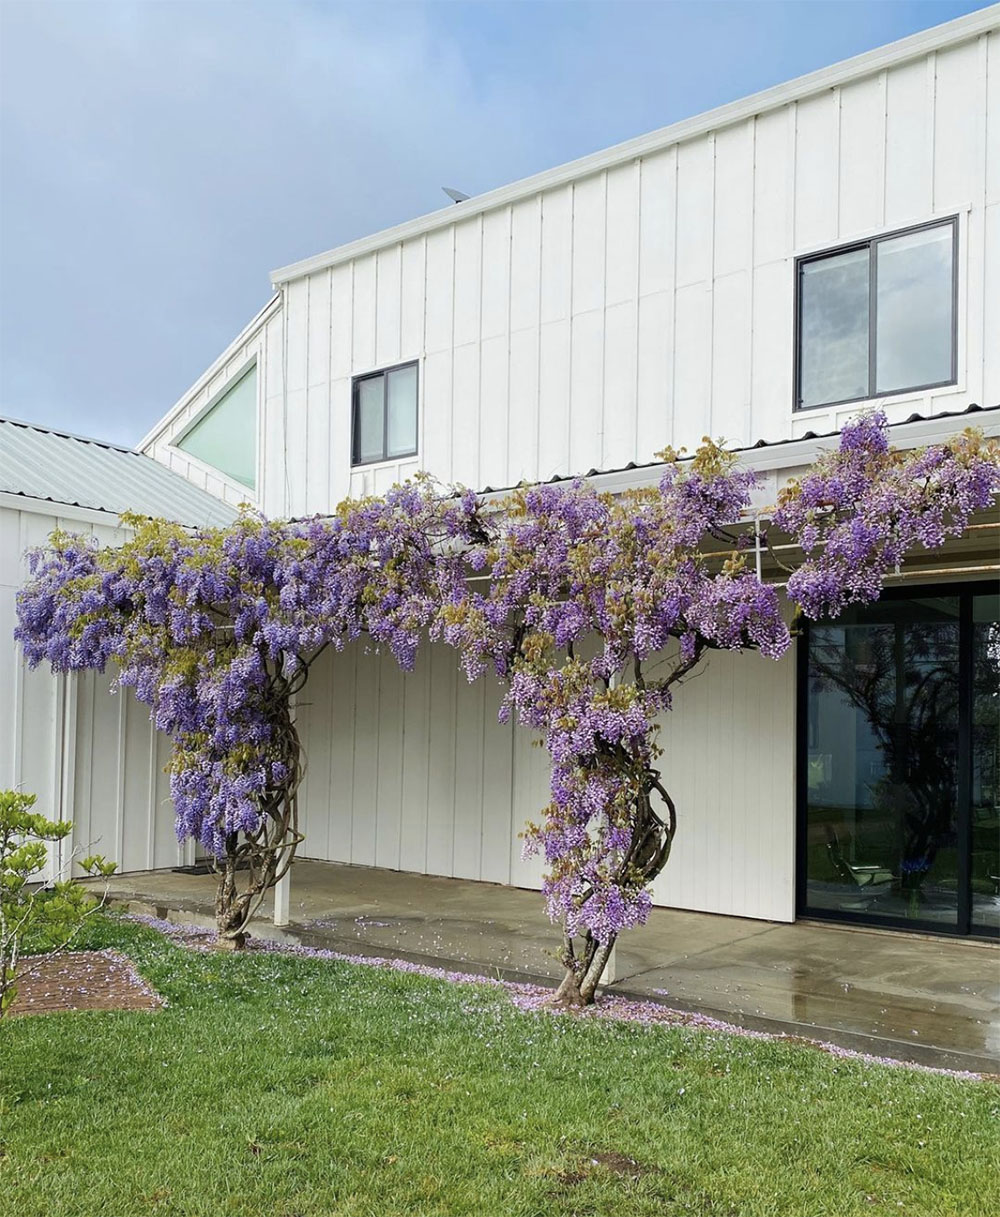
288, 1087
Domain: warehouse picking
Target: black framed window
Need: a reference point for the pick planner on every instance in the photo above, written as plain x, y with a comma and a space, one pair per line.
384, 415
899, 762
877, 317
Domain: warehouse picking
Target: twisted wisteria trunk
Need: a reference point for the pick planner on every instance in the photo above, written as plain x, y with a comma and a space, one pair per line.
586, 957
262, 857
584, 969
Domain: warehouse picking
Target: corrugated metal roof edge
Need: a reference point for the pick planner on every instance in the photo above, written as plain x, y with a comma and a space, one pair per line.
83, 439
162, 473
37, 498
107, 511
634, 466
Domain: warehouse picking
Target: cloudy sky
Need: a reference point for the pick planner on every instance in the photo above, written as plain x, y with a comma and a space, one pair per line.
158, 159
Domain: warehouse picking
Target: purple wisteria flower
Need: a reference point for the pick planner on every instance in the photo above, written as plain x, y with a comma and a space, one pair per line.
591, 610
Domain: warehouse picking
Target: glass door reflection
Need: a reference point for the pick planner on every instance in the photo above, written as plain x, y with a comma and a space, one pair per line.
985, 783
881, 782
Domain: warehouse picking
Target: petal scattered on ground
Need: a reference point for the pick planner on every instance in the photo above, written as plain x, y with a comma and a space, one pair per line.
534, 998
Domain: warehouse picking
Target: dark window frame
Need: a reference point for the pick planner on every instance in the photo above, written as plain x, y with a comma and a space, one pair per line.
382, 374
964, 926
871, 244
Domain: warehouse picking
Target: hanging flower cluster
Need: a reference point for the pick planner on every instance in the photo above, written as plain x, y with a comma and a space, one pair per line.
861, 509
591, 608
588, 608
215, 630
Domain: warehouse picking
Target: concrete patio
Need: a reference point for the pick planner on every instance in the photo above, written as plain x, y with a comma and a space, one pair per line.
911, 997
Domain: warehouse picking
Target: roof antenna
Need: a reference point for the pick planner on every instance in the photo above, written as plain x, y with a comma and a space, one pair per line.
456, 196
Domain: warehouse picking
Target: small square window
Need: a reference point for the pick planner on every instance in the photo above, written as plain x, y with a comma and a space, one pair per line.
877, 317
384, 422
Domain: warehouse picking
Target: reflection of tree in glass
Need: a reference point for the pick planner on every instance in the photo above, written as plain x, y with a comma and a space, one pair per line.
904, 678
986, 670
986, 758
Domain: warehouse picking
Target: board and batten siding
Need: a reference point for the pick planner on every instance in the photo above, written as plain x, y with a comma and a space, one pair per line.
412, 771
89, 756
592, 323
595, 321
581, 325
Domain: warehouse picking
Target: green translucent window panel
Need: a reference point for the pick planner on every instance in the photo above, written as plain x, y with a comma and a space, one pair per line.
226, 437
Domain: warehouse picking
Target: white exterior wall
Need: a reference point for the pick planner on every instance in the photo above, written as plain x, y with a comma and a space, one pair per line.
89, 756
584, 320
590, 324
413, 772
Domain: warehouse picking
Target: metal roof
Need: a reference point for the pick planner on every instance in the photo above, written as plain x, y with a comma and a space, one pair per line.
57, 467
787, 453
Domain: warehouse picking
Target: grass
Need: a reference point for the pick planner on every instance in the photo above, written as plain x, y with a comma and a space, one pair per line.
288, 1087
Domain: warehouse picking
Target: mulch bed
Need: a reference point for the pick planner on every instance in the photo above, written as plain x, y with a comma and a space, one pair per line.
81, 980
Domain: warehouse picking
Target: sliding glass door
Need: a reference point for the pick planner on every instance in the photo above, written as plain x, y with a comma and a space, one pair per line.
984, 793
899, 739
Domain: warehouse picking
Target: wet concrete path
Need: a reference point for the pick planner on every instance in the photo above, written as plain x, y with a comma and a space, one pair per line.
906, 996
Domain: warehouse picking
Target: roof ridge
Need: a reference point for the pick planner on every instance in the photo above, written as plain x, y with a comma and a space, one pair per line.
82, 439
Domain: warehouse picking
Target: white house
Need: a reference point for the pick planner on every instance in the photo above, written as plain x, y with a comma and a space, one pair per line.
89, 756
760, 273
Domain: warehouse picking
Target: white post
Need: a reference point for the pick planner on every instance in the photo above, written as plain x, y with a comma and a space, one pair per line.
66, 773
756, 540
611, 968
282, 890
609, 974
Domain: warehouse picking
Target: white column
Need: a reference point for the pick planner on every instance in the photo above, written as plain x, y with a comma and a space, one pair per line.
66, 789
611, 969
282, 891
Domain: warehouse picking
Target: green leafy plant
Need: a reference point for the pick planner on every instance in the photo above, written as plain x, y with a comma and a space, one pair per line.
44, 918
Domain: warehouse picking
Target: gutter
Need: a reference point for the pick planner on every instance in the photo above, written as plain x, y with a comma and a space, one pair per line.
782, 455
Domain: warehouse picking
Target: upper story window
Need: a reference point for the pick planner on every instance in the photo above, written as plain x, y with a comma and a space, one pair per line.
225, 435
877, 317
384, 423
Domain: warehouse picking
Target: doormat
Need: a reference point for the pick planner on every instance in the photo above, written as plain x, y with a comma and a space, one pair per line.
203, 868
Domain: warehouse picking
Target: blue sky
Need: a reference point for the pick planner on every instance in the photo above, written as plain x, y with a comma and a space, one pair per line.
158, 159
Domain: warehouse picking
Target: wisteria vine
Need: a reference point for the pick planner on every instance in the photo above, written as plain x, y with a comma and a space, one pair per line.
590, 609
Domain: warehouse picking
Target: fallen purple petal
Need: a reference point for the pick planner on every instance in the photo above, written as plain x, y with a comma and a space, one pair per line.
535, 999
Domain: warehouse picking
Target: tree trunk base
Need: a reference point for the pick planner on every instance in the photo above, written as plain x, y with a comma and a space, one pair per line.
569, 995
234, 942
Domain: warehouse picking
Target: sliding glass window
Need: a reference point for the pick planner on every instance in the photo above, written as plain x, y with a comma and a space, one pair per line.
877, 317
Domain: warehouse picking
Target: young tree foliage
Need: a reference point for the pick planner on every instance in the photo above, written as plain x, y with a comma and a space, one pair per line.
590, 609
45, 918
